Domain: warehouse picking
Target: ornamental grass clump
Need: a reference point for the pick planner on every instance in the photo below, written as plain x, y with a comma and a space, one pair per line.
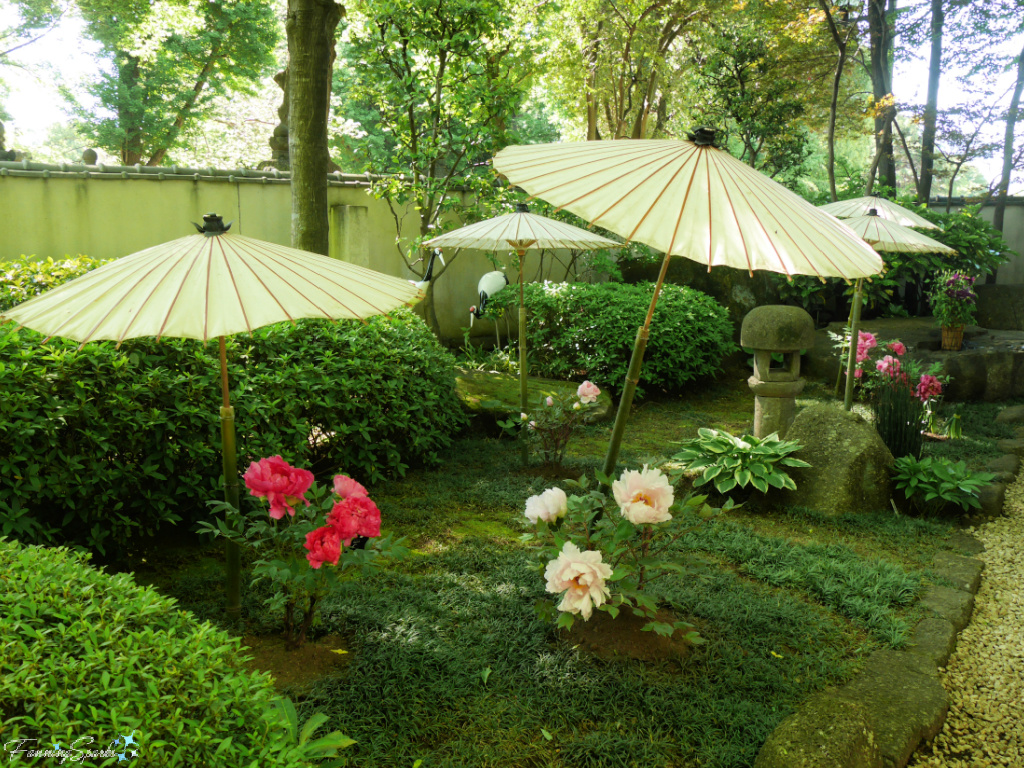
334, 529
605, 553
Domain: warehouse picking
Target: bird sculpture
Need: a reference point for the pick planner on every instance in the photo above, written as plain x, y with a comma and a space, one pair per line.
429, 274
489, 285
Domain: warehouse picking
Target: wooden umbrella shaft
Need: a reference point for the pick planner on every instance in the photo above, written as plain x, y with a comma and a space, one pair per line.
233, 581
851, 358
523, 372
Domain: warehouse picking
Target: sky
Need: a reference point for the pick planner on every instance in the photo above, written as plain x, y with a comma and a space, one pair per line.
36, 104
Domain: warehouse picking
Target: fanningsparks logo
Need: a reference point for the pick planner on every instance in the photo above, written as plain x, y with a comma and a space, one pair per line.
124, 748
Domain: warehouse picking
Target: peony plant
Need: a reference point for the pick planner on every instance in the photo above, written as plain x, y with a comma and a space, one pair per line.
553, 424
306, 537
601, 551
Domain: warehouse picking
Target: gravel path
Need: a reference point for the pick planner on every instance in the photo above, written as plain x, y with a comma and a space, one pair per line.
985, 676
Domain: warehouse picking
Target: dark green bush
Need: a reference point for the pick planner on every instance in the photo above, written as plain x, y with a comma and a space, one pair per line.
87, 657
100, 445
24, 278
586, 331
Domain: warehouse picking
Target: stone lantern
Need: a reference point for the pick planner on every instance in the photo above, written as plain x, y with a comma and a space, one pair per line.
780, 330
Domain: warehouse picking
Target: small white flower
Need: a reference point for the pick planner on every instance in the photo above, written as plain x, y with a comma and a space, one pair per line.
547, 506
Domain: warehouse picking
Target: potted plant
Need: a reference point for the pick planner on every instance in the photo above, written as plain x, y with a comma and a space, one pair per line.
953, 303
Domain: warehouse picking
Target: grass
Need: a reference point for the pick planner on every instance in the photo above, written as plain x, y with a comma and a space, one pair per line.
451, 665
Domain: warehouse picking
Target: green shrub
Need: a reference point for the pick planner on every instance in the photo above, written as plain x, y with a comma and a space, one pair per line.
587, 331
87, 658
934, 485
26, 277
100, 445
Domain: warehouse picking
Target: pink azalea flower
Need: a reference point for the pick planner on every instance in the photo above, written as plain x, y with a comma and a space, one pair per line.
345, 486
898, 347
548, 506
581, 575
354, 516
643, 497
324, 545
588, 392
928, 388
280, 483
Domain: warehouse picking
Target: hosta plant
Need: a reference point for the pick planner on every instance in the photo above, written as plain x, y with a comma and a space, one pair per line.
735, 462
932, 484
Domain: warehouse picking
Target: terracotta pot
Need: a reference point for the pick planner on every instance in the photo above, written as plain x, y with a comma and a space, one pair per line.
952, 337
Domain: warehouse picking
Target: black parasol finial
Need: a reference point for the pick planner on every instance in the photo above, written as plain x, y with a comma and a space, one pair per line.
213, 225
522, 208
703, 137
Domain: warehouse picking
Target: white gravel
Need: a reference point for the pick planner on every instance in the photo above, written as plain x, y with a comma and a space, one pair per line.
985, 676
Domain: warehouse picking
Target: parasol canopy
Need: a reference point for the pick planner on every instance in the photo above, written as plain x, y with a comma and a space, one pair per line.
887, 236
886, 209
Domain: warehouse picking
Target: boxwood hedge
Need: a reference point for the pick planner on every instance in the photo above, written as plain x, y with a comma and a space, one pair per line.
87, 658
99, 445
584, 330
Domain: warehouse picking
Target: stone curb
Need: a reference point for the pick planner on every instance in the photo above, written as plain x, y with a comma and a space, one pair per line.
879, 718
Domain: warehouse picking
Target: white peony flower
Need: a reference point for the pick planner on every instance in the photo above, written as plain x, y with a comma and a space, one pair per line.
643, 497
581, 575
548, 506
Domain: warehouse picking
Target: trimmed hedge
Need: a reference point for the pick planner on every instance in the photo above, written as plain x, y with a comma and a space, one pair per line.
87, 657
100, 445
587, 331
25, 278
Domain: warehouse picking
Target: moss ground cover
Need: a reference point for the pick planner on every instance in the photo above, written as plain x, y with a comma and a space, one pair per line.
450, 664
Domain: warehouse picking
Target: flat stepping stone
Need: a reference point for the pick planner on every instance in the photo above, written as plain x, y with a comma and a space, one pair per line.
1011, 414
497, 395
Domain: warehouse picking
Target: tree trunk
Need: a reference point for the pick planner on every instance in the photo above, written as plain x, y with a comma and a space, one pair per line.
593, 133
1011, 124
129, 113
310, 26
931, 107
881, 76
834, 106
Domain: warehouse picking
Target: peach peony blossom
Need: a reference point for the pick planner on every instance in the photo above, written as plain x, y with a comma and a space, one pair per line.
548, 506
581, 575
643, 497
280, 483
588, 392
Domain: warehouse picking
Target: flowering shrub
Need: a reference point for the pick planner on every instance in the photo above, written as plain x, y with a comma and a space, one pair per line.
351, 518
605, 553
953, 299
903, 396
554, 424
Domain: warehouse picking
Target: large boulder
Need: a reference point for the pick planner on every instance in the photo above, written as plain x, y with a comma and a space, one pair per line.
850, 464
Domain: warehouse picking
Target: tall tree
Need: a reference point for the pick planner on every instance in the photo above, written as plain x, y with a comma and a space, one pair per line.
168, 61
842, 32
880, 31
311, 26
442, 81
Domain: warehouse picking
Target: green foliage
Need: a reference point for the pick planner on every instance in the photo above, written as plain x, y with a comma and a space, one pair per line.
104, 444
583, 330
953, 299
89, 657
934, 484
167, 62
552, 425
736, 462
27, 277
980, 247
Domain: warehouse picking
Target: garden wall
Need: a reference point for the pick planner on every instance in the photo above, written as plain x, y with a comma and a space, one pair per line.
1011, 273
106, 212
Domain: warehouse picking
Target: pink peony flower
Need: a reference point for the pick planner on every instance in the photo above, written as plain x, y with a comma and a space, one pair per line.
643, 497
888, 366
345, 487
581, 575
280, 483
866, 339
548, 506
324, 545
898, 347
354, 516
550, 401
858, 372
862, 353
928, 388
588, 392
